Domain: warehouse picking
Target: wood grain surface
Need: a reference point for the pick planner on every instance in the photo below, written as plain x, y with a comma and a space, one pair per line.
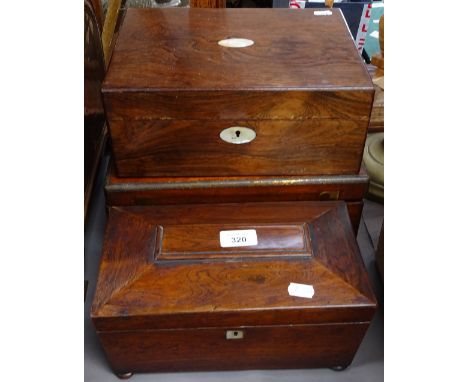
171, 89
138, 296
177, 49
238, 104
194, 148
273, 347
201, 242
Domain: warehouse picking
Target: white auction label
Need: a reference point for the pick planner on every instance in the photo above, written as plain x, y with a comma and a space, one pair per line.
238, 238
323, 13
301, 290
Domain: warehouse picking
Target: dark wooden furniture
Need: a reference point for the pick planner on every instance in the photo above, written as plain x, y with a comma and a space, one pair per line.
171, 90
170, 298
209, 141
97, 8
157, 191
95, 129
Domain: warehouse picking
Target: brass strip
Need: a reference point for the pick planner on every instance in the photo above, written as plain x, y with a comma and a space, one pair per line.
358, 179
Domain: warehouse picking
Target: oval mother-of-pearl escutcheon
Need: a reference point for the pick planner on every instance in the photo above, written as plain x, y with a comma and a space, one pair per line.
237, 135
236, 42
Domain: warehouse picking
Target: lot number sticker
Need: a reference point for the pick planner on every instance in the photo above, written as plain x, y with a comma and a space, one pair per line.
238, 238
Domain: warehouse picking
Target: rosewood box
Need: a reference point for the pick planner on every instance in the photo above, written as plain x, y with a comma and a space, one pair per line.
236, 92
208, 287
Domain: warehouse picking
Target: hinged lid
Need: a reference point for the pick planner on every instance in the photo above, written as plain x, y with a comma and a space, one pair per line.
229, 265
180, 64
182, 49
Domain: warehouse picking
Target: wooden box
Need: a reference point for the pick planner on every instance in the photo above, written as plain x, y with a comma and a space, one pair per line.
295, 102
185, 190
171, 296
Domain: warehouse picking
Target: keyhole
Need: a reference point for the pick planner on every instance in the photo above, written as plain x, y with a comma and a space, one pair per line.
237, 133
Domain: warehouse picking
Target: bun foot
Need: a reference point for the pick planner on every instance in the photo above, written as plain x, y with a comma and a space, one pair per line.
338, 368
124, 375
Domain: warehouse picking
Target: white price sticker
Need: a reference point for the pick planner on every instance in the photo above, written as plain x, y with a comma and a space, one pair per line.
301, 290
323, 13
238, 238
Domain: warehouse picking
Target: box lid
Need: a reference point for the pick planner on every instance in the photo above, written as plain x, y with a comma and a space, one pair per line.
171, 267
178, 49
